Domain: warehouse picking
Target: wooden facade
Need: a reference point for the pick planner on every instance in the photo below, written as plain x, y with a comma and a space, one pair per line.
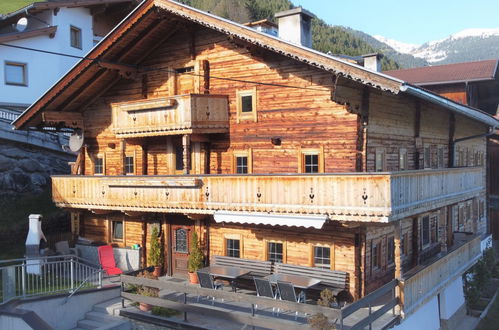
212, 122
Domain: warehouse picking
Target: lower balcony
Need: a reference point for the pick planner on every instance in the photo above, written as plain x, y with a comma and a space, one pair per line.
373, 197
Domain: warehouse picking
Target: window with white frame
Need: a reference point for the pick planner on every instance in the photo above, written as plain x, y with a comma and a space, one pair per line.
16, 73
98, 164
322, 257
129, 165
275, 252
241, 164
233, 248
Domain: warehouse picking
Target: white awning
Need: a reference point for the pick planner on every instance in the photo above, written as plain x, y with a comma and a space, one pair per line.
271, 219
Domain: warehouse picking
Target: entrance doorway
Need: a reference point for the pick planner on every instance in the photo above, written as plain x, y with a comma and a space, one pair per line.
177, 251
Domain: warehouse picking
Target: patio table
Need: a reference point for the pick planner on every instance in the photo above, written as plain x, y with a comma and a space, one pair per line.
300, 282
226, 272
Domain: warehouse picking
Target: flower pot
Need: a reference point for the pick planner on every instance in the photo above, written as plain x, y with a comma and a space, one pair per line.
145, 307
157, 271
193, 278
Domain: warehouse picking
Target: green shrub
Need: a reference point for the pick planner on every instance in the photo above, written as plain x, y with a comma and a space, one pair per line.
196, 256
320, 322
164, 312
155, 257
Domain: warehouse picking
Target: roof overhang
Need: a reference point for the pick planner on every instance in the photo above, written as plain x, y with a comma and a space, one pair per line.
270, 219
45, 31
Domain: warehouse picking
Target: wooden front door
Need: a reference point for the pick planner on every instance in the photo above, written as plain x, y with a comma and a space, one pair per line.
180, 238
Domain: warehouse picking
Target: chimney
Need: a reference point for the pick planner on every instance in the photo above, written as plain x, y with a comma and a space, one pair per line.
373, 61
295, 25
33, 244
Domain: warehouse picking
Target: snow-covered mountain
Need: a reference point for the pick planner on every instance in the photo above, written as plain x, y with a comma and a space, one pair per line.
464, 46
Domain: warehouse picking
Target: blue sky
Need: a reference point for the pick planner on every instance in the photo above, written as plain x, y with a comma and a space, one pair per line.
415, 21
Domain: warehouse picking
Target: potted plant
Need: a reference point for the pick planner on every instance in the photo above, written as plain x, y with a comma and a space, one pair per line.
196, 257
146, 290
155, 257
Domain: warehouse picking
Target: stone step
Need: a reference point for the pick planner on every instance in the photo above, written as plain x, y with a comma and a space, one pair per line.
100, 317
89, 324
110, 307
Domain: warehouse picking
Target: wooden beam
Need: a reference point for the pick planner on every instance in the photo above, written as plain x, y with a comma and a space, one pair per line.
123, 155
126, 71
68, 119
397, 247
186, 145
101, 212
82, 90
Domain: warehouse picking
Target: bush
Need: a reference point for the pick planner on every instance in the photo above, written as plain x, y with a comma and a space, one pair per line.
196, 256
155, 257
326, 299
146, 290
320, 322
478, 277
164, 312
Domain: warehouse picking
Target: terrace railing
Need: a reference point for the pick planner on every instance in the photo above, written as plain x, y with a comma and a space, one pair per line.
28, 277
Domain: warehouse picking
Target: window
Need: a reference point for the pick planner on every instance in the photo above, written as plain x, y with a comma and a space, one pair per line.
117, 230
241, 164
179, 158
460, 219
311, 163
246, 105
181, 241
275, 252
482, 209
391, 250
98, 165
322, 257
434, 229
425, 231
440, 157
380, 160
402, 159
427, 157
75, 34
375, 256
129, 165
233, 248
16, 74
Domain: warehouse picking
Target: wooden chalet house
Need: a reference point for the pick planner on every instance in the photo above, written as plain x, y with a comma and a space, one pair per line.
267, 148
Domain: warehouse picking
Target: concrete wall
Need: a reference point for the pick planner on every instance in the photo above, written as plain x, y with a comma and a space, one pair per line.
426, 317
9, 322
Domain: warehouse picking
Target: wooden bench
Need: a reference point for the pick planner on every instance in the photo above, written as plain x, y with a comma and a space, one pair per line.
334, 280
257, 268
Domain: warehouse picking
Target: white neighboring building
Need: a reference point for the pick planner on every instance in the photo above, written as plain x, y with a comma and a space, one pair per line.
68, 27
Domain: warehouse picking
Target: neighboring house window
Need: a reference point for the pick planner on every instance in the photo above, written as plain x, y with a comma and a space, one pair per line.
181, 240
98, 165
117, 230
246, 105
391, 250
427, 157
425, 231
440, 157
129, 165
233, 248
311, 163
402, 159
241, 164
434, 229
322, 257
380, 160
375, 255
75, 37
16, 74
179, 158
275, 252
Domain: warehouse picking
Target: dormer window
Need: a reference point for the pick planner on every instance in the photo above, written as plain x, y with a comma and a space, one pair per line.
75, 35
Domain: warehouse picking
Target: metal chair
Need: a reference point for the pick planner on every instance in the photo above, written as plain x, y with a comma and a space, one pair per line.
206, 281
264, 289
287, 292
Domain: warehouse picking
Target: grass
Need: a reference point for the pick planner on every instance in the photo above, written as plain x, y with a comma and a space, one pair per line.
9, 6
491, 321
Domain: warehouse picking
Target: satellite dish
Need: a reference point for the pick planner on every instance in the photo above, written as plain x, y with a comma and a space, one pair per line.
76, 140
21, 24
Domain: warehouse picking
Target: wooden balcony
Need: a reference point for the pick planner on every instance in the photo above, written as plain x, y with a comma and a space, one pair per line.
422, 285
182, 114
373, 197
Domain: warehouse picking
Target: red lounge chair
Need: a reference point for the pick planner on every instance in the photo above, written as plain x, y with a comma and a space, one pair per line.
106, 259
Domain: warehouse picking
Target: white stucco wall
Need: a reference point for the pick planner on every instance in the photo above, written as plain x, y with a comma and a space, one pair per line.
426, 317
451, 299
43, 70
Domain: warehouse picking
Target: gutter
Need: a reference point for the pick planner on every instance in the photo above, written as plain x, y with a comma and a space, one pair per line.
492, 131
474, 114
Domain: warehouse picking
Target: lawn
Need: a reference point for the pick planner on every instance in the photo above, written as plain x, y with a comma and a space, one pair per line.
8, 6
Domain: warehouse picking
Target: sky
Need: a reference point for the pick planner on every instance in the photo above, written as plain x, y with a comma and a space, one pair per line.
416, 21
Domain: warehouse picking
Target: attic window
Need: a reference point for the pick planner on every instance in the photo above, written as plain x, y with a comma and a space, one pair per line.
16, 74
75, 35
246, 105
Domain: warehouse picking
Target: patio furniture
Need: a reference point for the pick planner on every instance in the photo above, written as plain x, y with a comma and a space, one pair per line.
226, 272
63, 248
264, 289
255, 268
287, 292
206, 281
298, 281
106, 260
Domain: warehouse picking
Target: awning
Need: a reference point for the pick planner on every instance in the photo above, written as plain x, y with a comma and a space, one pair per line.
271, 219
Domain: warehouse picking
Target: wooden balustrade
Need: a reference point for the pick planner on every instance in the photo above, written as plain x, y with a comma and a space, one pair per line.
423, 285
375, 197
182, 114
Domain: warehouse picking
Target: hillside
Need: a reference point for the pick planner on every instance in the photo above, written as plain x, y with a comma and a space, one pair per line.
8, 6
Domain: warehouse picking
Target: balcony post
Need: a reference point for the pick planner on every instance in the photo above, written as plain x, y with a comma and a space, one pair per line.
186, 144
398, 263
123, 155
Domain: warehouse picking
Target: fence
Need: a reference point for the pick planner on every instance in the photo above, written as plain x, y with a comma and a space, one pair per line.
21, 278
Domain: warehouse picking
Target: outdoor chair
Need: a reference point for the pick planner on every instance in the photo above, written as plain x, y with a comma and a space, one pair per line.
206, 281
287, 292
63, 248
264, 289
106, 260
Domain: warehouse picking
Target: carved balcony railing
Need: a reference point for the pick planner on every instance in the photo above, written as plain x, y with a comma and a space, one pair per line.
374, 197
182, 114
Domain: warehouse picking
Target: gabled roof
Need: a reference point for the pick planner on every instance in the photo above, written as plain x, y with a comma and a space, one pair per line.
450, 73
154, 21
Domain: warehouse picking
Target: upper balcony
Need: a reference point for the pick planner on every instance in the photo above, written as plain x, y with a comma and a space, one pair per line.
373, 197
182, 114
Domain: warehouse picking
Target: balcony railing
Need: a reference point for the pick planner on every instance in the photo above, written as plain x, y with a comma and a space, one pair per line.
375, 197
419, 287
182, 114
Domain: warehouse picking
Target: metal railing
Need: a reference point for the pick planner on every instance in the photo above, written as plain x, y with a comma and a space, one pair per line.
27, 277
